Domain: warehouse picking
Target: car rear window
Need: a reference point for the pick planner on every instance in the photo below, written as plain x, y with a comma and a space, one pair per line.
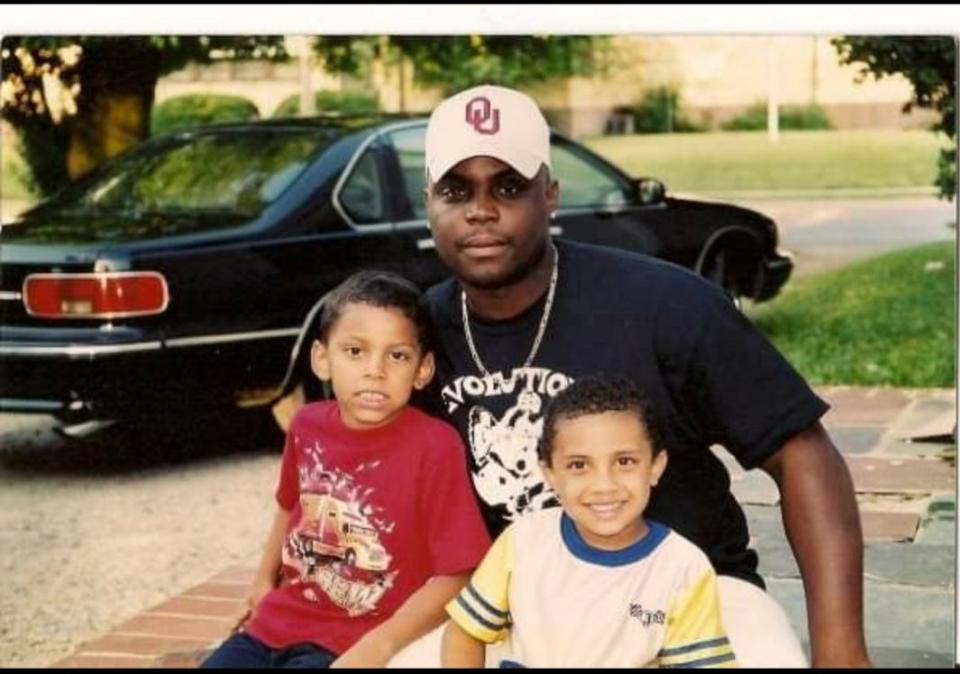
227, 173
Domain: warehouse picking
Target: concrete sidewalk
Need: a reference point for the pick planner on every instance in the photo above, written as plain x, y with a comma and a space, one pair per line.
906, 493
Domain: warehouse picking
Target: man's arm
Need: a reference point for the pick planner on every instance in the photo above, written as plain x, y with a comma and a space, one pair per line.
822, 523
422, 612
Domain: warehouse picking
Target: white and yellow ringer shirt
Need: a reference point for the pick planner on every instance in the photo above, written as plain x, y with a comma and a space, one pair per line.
558, 602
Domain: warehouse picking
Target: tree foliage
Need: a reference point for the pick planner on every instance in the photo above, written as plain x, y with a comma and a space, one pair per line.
930, 63
185, 112
346, 102
105, 85
456, 62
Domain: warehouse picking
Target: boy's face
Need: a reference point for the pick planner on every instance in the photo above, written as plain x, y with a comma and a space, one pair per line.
602, 471
373, 360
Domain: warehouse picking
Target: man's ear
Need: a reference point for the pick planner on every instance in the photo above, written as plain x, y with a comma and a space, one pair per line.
425, 371
659, 465
320, 360
426, 202
553, 196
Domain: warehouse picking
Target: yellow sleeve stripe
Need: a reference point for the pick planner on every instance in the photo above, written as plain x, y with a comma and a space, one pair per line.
474, 598
726, 661
710, 653
695, 636
474, 624
463, 601
700, 645
482, 609
695, 615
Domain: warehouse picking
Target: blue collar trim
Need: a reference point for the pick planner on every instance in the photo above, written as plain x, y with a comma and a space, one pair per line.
634, 552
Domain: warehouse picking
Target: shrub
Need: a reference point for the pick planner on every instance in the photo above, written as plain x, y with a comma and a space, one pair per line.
186, 112
347, 102
792, 117
661, 112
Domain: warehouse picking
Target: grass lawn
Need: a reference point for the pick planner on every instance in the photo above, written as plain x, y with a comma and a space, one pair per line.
735, 161
887, 321
747, 160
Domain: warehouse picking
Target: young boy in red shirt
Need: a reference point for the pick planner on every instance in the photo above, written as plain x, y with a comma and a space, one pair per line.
377, 527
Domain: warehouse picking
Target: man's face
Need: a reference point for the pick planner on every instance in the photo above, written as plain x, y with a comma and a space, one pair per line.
490, 224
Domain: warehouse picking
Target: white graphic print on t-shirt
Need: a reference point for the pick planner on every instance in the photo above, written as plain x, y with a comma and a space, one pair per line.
504, 450
335, 545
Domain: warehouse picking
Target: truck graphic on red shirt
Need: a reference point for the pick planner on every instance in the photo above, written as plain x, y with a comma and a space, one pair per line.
330, 527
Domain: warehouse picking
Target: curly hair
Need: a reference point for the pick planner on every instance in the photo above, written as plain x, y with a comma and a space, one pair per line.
382, 289
596, 395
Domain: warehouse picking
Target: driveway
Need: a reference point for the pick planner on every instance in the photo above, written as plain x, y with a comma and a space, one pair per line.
94, 531
825, 234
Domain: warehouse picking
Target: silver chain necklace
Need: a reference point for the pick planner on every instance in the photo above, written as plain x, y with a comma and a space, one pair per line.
540, 330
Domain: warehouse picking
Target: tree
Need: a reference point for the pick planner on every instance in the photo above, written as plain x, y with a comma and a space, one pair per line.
930, 63
457, 62
105, 86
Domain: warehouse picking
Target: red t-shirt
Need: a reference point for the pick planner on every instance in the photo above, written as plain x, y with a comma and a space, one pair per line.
374, 514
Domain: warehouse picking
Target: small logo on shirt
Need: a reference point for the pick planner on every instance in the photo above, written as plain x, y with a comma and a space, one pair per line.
646, 617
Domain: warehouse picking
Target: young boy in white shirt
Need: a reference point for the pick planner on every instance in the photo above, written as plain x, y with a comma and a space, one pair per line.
593, 584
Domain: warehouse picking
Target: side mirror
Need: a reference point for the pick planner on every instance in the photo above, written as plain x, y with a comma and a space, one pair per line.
649, 191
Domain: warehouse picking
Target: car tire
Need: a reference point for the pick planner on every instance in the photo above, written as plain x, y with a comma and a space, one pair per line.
716, 270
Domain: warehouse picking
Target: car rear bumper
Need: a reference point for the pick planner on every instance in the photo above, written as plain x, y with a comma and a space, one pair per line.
773, 274
76, 381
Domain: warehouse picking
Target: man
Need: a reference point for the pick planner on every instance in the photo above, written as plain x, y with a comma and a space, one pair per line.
524, 316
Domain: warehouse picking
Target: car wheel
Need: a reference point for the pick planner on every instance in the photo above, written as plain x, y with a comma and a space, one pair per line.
717, 271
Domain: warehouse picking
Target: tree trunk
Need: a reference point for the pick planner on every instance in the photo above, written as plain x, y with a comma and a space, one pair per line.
119, 77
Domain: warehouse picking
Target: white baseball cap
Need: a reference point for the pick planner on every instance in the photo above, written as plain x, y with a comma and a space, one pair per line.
487, 121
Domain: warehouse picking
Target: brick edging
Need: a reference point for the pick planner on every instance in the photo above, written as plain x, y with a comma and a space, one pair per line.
176, 633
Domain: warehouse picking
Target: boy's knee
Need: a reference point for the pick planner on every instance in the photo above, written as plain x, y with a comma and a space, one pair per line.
758, 627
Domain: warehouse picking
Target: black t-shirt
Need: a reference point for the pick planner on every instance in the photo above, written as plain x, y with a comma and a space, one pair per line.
710, 376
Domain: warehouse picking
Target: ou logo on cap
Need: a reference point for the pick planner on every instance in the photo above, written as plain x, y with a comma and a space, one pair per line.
479, 115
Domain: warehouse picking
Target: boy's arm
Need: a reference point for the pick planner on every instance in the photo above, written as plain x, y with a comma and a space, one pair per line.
460, 650
422, 612
268, 573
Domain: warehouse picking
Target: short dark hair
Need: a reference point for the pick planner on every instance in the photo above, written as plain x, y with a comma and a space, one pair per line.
383, 289
596, 395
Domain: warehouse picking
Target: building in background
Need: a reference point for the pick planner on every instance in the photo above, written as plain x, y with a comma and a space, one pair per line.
716, 78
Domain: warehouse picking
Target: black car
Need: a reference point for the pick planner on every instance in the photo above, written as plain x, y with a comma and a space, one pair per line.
176, 278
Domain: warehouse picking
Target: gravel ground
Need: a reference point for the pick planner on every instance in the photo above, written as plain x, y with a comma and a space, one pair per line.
94, 532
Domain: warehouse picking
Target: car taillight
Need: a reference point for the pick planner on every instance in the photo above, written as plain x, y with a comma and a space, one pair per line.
97, 295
